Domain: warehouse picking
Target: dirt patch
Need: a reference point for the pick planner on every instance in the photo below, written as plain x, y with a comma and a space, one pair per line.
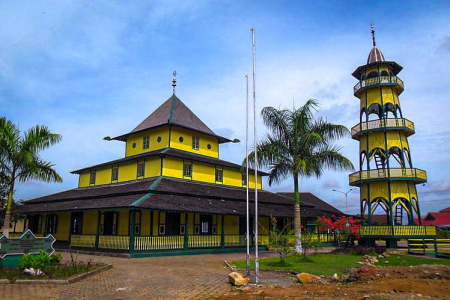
421, 282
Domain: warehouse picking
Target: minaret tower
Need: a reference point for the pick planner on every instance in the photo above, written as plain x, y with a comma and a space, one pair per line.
386, 175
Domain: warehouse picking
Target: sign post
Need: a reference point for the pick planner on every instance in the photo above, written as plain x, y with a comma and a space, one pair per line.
12, 249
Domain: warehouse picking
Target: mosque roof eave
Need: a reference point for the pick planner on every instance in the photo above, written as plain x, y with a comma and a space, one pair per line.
396, 68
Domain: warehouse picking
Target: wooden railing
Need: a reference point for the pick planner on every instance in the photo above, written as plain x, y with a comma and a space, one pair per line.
417, 175
114, 242
387, 80
383, 123
204, 241
397, 231
438, 247
85, 241
151, 243
146, 243
235, 240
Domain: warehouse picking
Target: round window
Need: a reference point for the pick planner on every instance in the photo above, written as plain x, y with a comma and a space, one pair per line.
209, 146
134, 145
181, 139
159, 139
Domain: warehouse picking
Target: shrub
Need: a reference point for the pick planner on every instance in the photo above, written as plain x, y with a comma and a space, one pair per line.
344, 227
40, 261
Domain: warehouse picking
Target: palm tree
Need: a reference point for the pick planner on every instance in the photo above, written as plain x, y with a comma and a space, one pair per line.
298, 145
19, 158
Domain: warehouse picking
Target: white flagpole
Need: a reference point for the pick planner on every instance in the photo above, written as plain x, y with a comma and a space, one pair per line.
247, 233
256, 163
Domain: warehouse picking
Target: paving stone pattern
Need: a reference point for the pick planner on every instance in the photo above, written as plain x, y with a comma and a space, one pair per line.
179, 277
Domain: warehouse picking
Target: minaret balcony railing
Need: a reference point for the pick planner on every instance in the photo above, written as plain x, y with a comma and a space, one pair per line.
383, 124
416, 175
377, 81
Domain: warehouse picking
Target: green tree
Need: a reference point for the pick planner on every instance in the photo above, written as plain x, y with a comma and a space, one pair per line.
298, 145
19, 159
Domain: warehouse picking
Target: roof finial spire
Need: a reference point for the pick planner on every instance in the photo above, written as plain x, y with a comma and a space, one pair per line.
174, 81
373, 35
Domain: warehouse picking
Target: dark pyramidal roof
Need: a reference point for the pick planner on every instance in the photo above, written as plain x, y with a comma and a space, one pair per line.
174, 112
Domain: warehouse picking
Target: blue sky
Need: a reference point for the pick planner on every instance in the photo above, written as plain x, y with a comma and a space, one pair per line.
88, 69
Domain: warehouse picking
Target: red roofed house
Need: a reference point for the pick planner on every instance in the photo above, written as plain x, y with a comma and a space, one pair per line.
439, 219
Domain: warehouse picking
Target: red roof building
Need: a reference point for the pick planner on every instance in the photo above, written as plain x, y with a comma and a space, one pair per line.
439, 219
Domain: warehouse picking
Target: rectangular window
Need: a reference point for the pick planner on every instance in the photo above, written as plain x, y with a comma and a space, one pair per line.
145, 142
50, 224
108, 223
35, 223
92, 178
244, 179
187, 170
206, 222
173, 222
141, 170
195, 143
219, 175
115, 174
137, 222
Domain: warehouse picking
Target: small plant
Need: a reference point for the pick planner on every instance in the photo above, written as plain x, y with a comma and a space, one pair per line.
38, 262
281, 241
310, 241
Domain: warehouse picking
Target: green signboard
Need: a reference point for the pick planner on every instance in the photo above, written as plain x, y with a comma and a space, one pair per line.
27, 243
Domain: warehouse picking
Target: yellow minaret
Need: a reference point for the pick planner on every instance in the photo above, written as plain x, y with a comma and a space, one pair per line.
386, 175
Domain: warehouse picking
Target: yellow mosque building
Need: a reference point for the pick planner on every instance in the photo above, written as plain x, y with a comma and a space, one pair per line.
170, 192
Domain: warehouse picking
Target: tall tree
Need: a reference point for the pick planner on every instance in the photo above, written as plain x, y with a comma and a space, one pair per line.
19, 158
299, 146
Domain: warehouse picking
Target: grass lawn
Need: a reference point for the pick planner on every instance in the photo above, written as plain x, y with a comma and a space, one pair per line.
329, 263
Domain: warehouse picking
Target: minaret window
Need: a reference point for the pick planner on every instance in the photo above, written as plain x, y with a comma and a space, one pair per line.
145, 142
195, 143
140, 170
92, 178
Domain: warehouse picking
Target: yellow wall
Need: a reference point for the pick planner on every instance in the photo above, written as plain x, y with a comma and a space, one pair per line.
203, 172
90, 221
377, 140
123, 222
186, 145
173, 167
84, 179
103, 176
63, 227
231, 224
127, 172
162, 132
145, 222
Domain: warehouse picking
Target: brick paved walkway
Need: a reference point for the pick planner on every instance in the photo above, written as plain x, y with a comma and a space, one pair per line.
182, 277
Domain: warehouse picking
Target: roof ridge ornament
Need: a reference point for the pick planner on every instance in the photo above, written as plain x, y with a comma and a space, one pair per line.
174, 81
373, 34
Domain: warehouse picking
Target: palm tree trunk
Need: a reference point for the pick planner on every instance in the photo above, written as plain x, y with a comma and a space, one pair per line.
8, 214
297, 220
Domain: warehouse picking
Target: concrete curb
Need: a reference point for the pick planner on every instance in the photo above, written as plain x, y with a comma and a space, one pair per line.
59, 281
